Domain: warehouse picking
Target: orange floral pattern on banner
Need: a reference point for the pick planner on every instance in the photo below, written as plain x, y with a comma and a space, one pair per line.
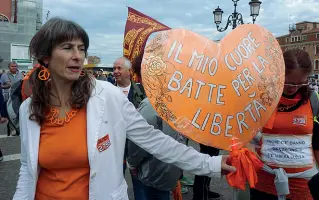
218, 94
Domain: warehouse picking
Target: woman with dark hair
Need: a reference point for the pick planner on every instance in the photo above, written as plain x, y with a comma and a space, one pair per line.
285, 142
74, 127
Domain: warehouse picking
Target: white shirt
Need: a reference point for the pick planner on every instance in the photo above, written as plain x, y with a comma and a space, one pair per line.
111, 115
125, 90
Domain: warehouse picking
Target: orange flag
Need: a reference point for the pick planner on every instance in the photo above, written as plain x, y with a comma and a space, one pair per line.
137, 30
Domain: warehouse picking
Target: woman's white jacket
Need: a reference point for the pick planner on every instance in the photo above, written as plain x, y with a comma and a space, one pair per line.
109, 113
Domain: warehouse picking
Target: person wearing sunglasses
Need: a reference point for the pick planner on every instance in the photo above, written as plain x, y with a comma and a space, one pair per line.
286, 143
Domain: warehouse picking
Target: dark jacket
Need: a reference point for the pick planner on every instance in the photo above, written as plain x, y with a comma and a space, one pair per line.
2, 105
151, 171
136, 94
314, 186
110, 79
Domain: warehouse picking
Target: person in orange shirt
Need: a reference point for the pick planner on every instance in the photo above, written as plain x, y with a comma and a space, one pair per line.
285, 144
73, 127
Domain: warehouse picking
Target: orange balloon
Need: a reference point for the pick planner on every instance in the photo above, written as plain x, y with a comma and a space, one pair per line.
218, 94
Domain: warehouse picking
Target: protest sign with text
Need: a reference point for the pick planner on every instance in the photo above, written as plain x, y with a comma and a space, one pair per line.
218, 94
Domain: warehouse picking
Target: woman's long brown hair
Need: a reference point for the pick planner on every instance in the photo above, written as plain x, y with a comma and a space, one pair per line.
299, 59
53, 33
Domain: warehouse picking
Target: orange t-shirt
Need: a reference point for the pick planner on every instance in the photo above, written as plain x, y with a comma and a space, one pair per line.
63, 158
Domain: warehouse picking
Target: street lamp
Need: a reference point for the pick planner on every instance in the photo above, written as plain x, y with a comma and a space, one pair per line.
254, 9
236, 18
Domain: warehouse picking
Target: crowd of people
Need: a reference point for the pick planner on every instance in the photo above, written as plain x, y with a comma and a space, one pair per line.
314, 84
108, 128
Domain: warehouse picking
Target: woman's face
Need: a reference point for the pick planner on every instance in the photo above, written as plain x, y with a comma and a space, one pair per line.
294, 81
66, 61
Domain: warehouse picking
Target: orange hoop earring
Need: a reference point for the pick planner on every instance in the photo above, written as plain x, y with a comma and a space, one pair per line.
44, 74
83, 73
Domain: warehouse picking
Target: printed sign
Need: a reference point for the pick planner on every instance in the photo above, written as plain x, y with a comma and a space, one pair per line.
20, 54
218, 94
285, 151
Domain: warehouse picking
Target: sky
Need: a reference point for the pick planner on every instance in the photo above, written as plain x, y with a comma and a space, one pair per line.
104, 20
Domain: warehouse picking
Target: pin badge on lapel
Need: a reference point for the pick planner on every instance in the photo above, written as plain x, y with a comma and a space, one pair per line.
103, 143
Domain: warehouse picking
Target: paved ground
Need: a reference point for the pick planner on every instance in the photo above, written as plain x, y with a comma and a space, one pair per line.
9, 170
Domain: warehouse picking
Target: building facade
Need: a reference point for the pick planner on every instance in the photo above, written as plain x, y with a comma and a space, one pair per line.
303, 35
19, 21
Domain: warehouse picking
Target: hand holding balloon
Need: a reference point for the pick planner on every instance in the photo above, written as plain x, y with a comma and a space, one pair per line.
226, 167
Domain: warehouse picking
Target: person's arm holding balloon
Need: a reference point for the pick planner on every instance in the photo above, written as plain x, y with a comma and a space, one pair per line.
168, 150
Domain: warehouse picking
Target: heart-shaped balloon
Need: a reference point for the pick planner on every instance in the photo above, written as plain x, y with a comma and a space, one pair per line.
218, 94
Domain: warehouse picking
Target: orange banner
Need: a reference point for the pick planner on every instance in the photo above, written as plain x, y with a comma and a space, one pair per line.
218, 94
137, 30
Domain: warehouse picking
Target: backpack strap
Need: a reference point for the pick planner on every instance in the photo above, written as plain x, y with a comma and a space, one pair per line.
314, 101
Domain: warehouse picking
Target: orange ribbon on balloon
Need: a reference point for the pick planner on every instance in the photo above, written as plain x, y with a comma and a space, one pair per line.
247, 165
